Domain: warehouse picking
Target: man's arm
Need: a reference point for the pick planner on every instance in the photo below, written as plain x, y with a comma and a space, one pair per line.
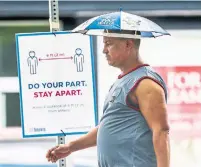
86, 141
152, 104
64, 150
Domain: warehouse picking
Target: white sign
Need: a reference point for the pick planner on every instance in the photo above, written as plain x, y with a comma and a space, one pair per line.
57, 83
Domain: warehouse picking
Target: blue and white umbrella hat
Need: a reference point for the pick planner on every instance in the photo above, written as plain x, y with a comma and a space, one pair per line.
118, 21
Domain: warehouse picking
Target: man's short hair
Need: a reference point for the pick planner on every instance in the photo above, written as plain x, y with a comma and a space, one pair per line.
137, 41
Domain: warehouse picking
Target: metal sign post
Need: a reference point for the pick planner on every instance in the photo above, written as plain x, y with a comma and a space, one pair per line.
54, 26
54, 15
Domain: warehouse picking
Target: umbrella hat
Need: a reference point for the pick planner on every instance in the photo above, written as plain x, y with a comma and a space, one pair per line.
119, 22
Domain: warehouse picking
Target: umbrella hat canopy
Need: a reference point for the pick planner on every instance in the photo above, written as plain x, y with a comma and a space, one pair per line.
118, 21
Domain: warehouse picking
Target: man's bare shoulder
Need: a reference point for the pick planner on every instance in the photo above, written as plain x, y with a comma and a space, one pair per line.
149, 85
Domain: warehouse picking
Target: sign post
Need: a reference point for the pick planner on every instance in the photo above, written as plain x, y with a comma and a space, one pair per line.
56, 81
55, 26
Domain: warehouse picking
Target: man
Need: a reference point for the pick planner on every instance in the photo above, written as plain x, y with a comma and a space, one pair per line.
133, 131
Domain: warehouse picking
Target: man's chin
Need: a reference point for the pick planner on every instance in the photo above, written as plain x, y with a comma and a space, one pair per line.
111, 64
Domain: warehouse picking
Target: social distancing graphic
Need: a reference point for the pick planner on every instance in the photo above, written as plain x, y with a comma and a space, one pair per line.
56, 76
79, 60
32, 62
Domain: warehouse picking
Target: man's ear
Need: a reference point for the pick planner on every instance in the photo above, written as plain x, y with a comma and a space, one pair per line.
129, 43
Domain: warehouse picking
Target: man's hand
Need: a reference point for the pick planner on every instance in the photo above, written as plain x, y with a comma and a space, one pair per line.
58, 152
64, 150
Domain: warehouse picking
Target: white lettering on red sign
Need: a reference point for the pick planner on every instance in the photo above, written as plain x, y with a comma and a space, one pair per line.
184, 87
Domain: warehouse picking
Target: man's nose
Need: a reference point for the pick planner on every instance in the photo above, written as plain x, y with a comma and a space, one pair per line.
105, 51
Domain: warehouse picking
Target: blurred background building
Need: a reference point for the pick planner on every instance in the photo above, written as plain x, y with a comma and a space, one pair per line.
180, 18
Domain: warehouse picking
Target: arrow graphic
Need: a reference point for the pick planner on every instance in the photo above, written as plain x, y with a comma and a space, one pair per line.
56, 58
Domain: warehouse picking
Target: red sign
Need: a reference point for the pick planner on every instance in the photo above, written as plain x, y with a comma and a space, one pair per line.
184, 99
